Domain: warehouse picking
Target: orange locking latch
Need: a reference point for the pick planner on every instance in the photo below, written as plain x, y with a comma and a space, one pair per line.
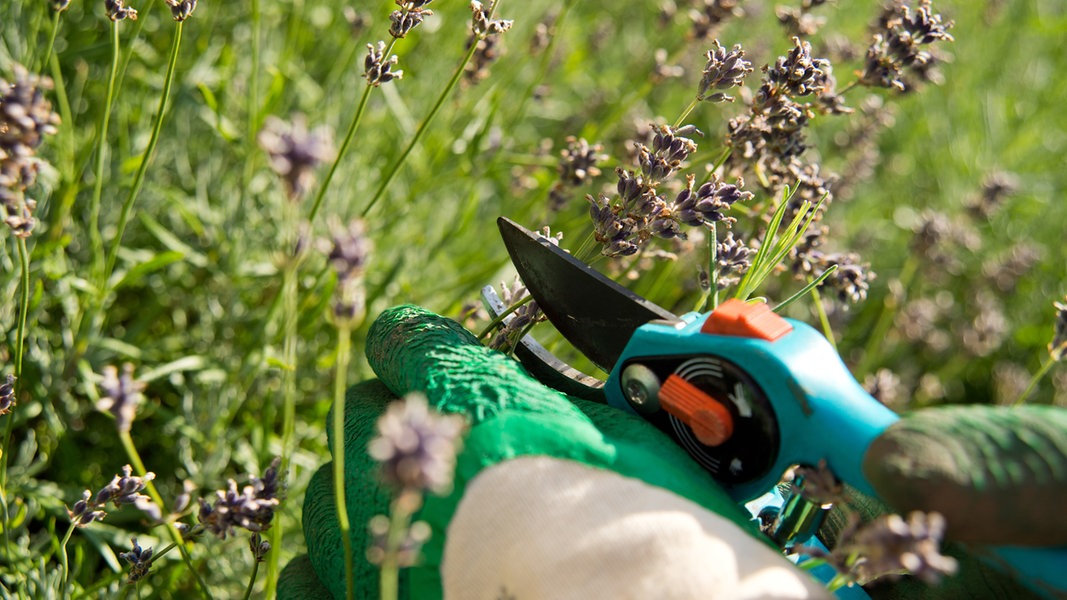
736, 317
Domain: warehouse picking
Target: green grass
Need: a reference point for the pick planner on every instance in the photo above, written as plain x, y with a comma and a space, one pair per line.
196, 297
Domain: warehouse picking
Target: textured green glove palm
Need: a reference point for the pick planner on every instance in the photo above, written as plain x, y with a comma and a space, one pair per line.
510, 414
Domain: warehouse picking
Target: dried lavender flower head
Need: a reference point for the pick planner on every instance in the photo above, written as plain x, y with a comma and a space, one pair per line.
26, 117
1057, 348
417, 446
252, 508
86, 510
891, 546
140, 560
126, 490
295, 152
407, 551
377, 69
348, 256
897, 44
7, 394
181, 9
410, 16
481, 23
117, 11
723, 70
122, 395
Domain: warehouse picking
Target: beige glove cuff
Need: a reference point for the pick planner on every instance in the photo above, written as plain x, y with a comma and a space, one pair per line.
540, 527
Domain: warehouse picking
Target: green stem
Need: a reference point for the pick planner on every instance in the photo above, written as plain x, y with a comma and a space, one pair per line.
888, 311
402, 508
24, 309
685, 113
252, 580
63, 560
290, 294
344, 335
1034, 381
253, 88
395, 168
51, 41
96, 240
349, 136
824, 321
175, 535
499, 319
127, 207
20, 347
812, 284
713, 267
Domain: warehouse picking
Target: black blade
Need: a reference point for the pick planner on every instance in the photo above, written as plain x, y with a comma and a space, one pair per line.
594, 313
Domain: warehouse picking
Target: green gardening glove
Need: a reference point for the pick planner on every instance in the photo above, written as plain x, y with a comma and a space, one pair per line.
553, 497
557, 497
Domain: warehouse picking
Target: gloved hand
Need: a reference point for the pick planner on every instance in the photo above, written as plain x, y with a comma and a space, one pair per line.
557, 497
553, 498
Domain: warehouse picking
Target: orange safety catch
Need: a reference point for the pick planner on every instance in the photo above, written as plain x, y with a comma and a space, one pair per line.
736, 317
709, 419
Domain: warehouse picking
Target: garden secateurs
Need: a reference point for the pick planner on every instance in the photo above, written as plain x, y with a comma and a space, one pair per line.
748, 393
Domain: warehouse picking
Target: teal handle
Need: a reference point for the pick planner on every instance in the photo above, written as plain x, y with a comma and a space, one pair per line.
822, 412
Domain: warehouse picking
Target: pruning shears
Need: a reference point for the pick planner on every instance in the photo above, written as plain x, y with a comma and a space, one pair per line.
748, 393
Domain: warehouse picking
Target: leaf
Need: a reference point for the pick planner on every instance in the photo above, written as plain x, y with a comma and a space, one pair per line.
156, 263
186, 363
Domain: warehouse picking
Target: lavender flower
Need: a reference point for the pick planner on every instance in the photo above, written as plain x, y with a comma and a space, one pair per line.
181, 9
897, 44
252, 508
295, 152
26, 117
890, 546
577, 164
524, 316
670, 148
851, 280
818, 484
486, 40
348, 256
709, 202
377, 69
410, 16
723, 71
1057, 348
481, 23
121, 396
86, 510
732, 259
260, 547
885, 386
407, 552
140, 561
416, 446
116, 11
708, 15
578, 161
798, 73
120, 491
7, 394
799, 21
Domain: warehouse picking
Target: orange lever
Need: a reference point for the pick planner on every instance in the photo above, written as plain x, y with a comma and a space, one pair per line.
736, 317
709, 419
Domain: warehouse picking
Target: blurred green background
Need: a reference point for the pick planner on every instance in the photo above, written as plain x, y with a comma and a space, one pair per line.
197, 311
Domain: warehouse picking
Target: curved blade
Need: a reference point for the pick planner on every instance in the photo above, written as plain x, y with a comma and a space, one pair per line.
595, 314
